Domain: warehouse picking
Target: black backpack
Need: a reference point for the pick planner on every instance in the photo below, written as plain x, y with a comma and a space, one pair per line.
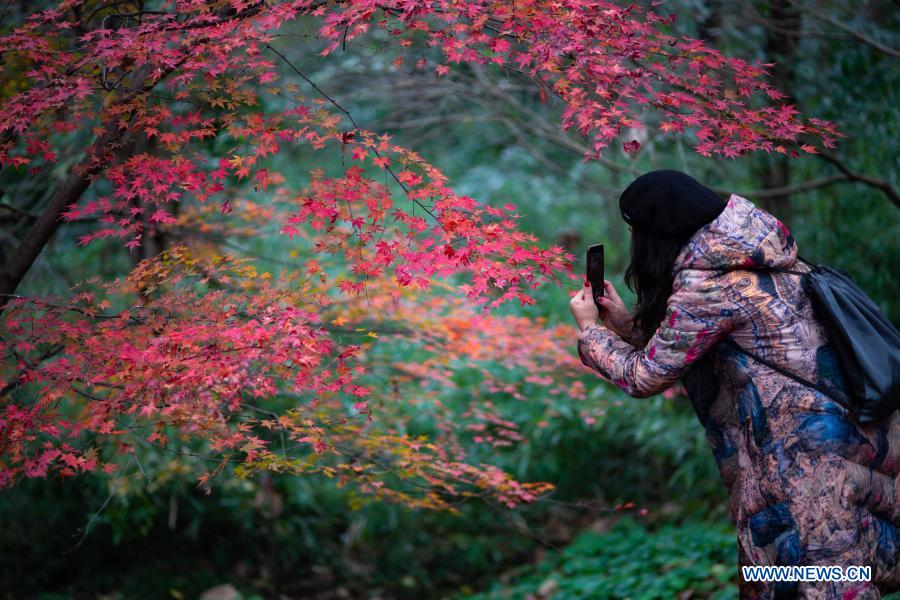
866, 343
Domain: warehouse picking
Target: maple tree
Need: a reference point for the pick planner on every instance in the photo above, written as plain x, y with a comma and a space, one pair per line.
187, 351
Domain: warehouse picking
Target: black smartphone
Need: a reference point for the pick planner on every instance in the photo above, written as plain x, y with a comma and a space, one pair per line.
595, 270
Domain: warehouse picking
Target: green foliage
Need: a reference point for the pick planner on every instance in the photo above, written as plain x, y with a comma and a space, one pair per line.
297, 535
632, 562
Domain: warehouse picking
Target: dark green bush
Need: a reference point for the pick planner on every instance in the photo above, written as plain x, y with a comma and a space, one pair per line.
696, 558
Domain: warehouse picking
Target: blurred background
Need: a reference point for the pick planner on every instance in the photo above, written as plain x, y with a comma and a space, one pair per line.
639, 511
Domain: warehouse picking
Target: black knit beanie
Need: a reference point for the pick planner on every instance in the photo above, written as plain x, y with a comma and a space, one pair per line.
669, 203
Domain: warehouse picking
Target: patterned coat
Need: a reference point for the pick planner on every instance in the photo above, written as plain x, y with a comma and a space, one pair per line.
808, 485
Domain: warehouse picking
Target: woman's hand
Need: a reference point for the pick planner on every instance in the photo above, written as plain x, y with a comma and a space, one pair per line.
583, 308
614, 313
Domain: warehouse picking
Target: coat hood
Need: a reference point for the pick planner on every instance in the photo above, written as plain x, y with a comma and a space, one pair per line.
741, 236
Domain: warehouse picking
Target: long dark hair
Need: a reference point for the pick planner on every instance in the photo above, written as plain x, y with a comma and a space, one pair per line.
650, 277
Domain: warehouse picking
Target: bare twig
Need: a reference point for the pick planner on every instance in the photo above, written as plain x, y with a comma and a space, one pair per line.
825, 15
882, 184
353, 121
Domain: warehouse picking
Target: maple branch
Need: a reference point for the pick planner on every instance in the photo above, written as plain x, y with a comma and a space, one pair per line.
753, 17
539, 126
522, 526
845, 175
787, 190
81, 176
18, 211
20, 375
356, 125
359, 455
823, 15
882, 184
373, 329
87, 528
132, 429
522, 122
314, 86
77, 182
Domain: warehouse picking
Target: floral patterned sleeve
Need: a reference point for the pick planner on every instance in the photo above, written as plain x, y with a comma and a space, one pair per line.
698, 316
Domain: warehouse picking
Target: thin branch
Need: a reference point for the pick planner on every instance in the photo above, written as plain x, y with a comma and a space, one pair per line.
789, 189
883, 184
18, 211
87, 528
353, 121
823, 15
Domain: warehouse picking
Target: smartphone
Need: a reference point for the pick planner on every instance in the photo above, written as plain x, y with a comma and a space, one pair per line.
595, 270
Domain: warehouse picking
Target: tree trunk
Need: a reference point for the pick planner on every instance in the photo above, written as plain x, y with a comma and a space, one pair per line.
780, 48
76, 183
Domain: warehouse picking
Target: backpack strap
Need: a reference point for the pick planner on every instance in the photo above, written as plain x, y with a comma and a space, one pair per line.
775, 269
728, 341
779, 270
808, 263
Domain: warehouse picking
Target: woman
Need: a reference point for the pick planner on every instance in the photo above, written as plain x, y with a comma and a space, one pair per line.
808, 484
